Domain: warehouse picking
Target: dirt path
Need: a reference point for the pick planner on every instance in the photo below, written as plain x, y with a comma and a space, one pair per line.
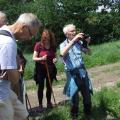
101, 76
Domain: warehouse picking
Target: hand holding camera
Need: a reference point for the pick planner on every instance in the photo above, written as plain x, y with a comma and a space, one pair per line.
84, 43
85, 40
78, 37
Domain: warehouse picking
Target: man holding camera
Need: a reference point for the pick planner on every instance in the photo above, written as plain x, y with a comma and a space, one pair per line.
77, 76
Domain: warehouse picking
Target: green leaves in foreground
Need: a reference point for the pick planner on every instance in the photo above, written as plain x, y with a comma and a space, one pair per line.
108, 103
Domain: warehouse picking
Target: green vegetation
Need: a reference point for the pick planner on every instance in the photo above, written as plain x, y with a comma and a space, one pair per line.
103, 26
106, 106
101, 54
106, 103
29, 67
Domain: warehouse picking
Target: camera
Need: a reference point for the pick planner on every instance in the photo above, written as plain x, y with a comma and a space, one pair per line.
84, 42
85, 36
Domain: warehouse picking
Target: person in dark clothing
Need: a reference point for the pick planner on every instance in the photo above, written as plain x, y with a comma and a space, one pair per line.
21, 68
45, 54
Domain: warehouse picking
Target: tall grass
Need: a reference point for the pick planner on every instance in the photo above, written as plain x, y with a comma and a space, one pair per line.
29, 67
101, 54
105, 106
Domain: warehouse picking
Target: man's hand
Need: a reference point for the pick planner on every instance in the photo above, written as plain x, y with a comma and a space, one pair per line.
54, 60
78, 37
88, 40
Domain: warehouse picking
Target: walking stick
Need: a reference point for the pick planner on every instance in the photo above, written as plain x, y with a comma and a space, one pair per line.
48, 74
28, 105
24, 96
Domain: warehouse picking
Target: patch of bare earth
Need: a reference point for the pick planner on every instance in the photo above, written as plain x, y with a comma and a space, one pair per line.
101, 76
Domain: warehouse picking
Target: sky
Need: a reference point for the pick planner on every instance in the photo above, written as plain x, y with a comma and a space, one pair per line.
102, 7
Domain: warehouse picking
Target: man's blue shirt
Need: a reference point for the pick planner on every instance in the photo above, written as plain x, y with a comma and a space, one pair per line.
73, 59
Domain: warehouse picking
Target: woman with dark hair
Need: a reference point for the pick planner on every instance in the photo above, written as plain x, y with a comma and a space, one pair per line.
45, 54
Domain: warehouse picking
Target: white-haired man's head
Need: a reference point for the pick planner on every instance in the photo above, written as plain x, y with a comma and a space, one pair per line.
29, 19
69, 31
27, 26
66, 28
3, 19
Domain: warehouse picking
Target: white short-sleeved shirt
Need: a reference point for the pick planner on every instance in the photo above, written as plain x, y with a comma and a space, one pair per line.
8, 51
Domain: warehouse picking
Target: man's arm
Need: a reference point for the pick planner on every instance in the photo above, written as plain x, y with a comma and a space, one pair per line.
13, 76
64, 50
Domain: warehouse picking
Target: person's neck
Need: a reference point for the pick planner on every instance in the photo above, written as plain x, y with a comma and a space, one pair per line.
47, 46
15, 28
12, 28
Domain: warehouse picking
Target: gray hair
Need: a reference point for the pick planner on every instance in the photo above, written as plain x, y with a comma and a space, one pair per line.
67, 27
3, 18
30, 20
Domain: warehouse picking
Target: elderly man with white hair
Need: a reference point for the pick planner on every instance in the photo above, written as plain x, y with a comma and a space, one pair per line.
26, 26
3, 19
77, 76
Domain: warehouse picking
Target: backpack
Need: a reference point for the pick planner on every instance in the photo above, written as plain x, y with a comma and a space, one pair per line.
6, 33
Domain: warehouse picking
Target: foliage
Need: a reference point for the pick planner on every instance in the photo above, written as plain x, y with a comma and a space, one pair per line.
102, 26
109, 101
101, 54
105, 106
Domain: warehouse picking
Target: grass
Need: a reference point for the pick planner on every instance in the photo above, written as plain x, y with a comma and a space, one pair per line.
106, 103
29, 67
105, 106
101, 54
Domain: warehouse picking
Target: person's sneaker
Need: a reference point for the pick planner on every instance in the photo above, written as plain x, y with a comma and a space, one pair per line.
88, 117
49, 105
74, 112
87, 109
39, 109
74, 116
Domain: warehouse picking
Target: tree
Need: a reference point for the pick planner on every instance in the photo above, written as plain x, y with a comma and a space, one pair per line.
102, 26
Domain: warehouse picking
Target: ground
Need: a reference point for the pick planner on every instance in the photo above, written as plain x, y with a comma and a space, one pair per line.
101, 76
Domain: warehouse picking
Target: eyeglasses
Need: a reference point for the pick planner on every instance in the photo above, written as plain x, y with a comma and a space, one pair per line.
30, 33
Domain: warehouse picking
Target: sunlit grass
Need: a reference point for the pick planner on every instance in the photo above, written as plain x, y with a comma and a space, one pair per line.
101, 54
105, 106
